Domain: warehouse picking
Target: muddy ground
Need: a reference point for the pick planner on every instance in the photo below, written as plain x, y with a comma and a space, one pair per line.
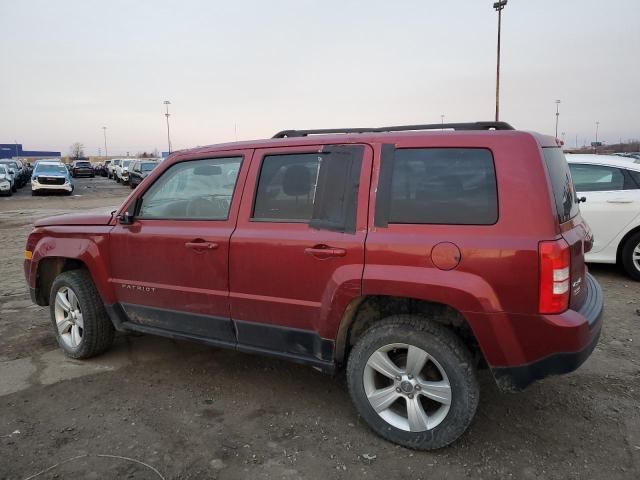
156, 408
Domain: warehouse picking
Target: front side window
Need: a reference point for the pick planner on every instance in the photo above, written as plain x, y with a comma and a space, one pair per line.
596, 178
451, 186
193, 190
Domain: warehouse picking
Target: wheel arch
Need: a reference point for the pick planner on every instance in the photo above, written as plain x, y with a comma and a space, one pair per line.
364, 311
48, 269
623, 240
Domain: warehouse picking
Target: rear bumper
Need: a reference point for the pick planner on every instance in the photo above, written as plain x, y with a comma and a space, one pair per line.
579, 330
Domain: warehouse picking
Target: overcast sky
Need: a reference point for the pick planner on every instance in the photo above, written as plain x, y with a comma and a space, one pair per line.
68, 67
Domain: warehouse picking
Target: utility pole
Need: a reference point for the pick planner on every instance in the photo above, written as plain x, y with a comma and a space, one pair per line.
597, 127
442, 121
166, 104
106, 152
557, 115
498, 7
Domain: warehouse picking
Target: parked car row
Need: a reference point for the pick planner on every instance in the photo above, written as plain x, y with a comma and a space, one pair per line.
14, 174
130, 171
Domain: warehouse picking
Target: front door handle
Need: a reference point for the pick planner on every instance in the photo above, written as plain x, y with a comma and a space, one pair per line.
201, 246
323, 252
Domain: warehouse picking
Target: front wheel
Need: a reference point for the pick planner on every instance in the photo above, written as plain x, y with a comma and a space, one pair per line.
414, 382
81, 324
630, 256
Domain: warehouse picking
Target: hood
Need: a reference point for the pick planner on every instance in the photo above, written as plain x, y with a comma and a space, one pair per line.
94, 218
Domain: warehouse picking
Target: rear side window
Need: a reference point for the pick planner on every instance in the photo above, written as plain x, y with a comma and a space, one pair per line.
315, 188
454, 186
596, 178
561, 184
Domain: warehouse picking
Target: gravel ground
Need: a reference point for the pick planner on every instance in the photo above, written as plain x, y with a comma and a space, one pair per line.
156, 408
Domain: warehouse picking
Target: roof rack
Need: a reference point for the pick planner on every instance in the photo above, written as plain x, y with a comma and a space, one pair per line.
399, 128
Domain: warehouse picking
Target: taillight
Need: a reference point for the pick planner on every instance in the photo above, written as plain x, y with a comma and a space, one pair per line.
555, 271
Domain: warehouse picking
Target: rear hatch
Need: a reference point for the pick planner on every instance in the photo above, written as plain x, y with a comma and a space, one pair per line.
573, 228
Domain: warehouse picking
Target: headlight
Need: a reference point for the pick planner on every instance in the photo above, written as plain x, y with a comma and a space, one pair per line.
35, 179
4, 181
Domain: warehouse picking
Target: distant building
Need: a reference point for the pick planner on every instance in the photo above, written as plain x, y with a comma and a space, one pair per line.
11, 150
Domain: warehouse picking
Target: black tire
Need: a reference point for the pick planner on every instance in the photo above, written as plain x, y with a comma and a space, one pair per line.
98, 331
443, 346
14, 188
34, 193
626, 256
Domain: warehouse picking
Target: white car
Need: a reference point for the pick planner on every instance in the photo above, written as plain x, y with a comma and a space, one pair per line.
6, 180
111, 169
121, 171
610, 187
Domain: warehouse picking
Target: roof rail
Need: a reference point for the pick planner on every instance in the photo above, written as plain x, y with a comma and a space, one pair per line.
399, 128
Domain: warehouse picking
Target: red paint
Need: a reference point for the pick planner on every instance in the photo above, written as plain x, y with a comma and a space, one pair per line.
276, 273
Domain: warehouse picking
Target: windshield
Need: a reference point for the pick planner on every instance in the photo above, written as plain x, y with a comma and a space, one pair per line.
3, 171
50, 170
83, 164
13, 165
147, 167
125, 163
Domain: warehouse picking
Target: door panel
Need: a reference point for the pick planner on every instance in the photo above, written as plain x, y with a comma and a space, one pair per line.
284, 274
608, 213
172, 273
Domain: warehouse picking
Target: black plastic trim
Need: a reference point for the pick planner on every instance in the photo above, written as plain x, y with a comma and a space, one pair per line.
385, 180
292, 341
398, 128
204, 326
296, 345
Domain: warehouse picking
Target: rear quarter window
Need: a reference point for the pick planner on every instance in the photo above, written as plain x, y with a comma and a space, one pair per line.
451, 186
561, 184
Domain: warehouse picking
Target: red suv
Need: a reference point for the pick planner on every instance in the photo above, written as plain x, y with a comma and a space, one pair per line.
409, 255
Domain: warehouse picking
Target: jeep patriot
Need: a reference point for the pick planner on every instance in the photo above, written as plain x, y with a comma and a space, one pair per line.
409, 256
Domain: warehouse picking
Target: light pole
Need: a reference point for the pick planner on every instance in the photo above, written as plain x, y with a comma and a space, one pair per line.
442, 121
557, 115
597, 128
104, 131
166, 104
498, 7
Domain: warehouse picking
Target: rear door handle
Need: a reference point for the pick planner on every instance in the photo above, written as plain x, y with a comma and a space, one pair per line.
201, 246
322, 252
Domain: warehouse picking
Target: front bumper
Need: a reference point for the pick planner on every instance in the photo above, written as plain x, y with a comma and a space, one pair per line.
581, 328
67, 187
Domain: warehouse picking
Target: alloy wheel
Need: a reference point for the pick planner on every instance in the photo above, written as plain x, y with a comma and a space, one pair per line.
407, 387
68, 316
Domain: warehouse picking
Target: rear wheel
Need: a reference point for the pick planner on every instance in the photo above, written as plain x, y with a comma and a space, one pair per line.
414, 382
81, 324
630, 256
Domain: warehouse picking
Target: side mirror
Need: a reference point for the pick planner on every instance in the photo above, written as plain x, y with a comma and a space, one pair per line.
126, 218
582, 199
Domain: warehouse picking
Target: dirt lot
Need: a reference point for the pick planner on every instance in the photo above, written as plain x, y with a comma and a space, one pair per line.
155, 408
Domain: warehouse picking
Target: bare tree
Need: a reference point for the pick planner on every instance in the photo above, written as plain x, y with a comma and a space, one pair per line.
76, 150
